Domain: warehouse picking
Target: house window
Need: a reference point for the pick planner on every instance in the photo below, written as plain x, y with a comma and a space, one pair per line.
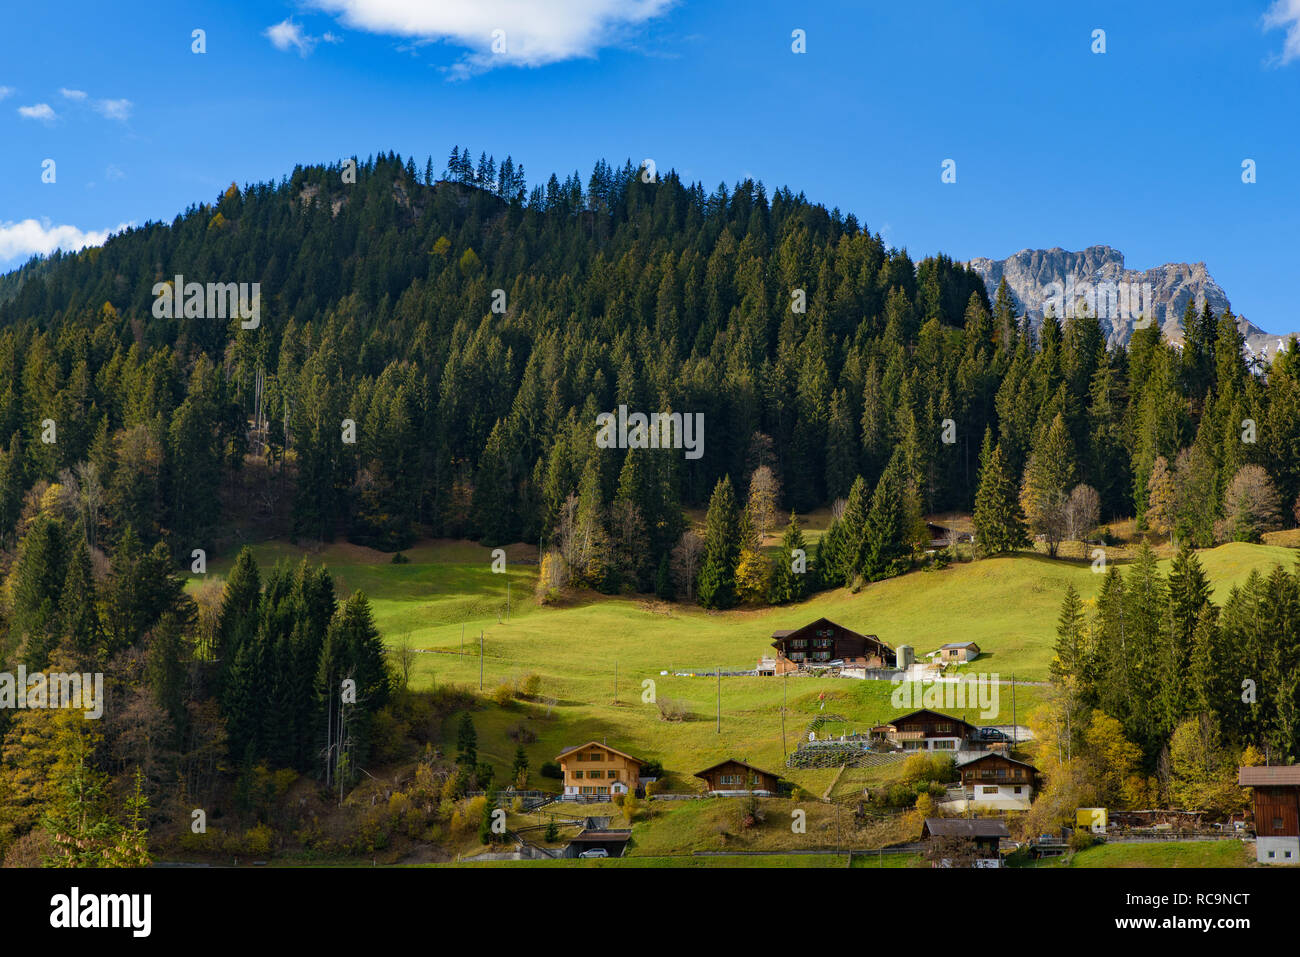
992, 790
611, 774
1017, 790
1002, 772
944, 745
596, 756
577, 775
799, 643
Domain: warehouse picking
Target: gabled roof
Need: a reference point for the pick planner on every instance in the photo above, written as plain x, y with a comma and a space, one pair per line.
1272, 776
959, 644
913, 714
743, 764
787, 632
962, 763
966, 827
597, 744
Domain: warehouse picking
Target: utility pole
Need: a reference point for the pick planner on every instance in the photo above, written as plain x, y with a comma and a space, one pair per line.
718, 670
462, 638
480, 660
615, 682
507, 600
1013, 712
785, 694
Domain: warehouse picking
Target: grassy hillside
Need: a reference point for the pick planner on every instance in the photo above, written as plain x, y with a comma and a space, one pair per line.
1008, 605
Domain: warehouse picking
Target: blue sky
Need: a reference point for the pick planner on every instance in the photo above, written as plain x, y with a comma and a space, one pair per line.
1139, 147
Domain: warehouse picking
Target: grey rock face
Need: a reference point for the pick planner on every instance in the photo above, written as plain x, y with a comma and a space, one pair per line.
1096, 279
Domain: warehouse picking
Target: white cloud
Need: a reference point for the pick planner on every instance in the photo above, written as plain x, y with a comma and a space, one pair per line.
28, 237
38, 111
72, 94
113, 172
535, 33
115, 109
286, 35
6, 91
1285, 14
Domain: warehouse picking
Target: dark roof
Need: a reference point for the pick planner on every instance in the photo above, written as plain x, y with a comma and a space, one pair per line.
787, 632
960, 644
743, 764
966, 827
1269, 776
937, 714
994, 754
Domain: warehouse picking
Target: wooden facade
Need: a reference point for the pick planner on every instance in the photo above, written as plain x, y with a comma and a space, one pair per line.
732, 776
1277, 812
926, 730
995, 780
596, 772
823, 641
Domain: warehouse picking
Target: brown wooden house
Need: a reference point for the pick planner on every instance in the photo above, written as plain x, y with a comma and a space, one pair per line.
965, 841
1277, 812
927, 730
995, 780
731, 777
823, 641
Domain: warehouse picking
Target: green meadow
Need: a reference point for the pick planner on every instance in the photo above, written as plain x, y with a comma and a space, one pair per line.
603, 660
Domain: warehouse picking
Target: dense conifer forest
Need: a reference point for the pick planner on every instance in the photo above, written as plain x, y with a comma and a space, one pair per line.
470, 330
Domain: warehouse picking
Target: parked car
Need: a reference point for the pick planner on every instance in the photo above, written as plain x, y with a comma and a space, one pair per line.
595, 852
991, 734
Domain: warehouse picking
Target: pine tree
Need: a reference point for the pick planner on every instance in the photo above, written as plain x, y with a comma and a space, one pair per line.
722, 544
466, 742
789, 578
1049, 478
885, 546
999, 520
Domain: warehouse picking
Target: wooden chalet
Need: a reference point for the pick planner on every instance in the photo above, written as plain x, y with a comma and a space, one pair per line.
992, 779
926, 730
823, 642
732, 777
1277, 812
596, 772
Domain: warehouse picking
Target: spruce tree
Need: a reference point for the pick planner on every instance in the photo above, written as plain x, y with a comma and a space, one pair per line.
722, 544
788, 584
999, 520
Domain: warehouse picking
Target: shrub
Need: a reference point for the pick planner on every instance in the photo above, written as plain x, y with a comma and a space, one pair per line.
1081, 840
503, 695
550, 769
257, 840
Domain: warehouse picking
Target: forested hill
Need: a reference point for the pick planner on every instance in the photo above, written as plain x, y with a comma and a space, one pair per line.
804, 341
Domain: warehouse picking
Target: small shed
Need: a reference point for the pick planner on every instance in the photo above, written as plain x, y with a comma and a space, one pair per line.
959, 651
979, 836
